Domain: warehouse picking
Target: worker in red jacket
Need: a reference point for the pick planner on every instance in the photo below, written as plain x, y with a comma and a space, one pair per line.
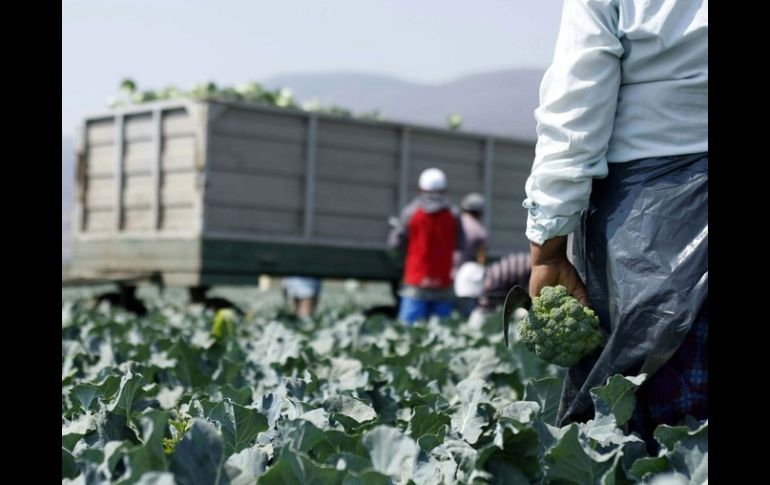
429, 230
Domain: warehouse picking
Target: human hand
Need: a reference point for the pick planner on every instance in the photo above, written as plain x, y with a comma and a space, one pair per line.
550, 267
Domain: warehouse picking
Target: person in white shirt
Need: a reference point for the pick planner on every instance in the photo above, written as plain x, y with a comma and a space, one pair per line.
621, 162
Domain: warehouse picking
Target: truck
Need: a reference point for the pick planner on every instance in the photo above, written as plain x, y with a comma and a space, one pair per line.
197, 193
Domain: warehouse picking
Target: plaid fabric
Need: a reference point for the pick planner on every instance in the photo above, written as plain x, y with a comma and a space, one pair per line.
679, 388
502, 275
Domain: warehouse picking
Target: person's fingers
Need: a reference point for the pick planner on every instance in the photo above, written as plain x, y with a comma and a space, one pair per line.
578, 288
540, 277
581, 295
552, 275
534, 288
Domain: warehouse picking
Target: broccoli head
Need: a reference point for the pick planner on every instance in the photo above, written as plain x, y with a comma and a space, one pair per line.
559, 329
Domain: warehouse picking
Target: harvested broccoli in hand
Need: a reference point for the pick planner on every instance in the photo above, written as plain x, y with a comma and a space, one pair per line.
559, 329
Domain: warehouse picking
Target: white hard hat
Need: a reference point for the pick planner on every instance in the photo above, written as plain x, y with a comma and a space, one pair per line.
432, 180
469, 280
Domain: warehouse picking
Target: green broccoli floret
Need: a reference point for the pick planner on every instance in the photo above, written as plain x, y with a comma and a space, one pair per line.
559, 329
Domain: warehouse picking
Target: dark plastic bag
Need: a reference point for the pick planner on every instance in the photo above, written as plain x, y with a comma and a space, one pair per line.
642, 250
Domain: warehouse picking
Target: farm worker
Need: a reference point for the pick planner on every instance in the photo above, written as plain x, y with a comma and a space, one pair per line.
302, 292
473, 250
621, 162
475, 246
429, 230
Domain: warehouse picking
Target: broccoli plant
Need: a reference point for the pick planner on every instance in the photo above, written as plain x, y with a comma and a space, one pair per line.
179, 426
224, 323
559, 329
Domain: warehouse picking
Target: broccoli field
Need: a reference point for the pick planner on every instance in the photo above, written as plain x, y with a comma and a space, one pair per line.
341, 399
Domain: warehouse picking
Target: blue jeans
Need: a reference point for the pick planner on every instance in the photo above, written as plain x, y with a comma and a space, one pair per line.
413, 309
466, 305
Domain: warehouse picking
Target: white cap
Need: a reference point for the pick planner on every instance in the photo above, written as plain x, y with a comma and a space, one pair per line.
469, 280
432, 180
473, 202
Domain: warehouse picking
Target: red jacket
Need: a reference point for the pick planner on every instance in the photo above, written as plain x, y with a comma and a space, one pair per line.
430, 231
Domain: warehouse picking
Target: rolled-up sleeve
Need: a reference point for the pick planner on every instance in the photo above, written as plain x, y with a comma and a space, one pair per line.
578, 98
399, 235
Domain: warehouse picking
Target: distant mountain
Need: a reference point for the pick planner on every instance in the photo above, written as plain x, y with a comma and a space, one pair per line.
500, 102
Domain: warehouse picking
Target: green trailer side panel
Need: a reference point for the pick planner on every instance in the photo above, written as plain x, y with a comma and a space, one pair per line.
250, 259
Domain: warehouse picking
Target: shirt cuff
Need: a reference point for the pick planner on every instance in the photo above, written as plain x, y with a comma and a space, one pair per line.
541, 228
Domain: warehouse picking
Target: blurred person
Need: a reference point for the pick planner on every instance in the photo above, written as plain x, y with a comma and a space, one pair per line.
302, 294
622, 161
474, 232
429, 230
471, 257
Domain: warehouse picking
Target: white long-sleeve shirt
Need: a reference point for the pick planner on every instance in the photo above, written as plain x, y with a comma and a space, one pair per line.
629, 80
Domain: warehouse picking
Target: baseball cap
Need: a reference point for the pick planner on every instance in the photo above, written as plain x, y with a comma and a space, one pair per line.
473, 202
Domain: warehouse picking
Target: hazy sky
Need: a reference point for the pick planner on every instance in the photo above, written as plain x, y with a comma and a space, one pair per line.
183, 42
